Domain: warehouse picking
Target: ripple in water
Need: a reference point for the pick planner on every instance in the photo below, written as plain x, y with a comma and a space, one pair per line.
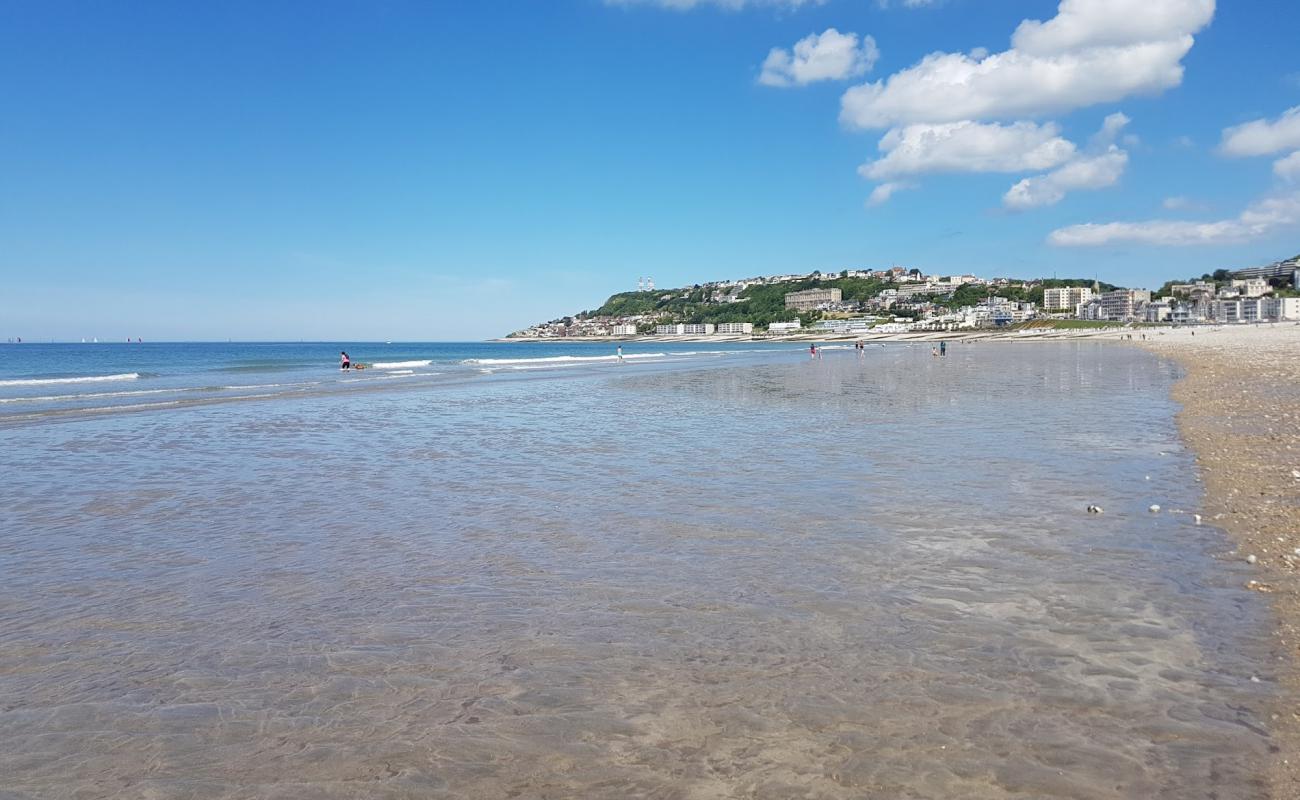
865, 576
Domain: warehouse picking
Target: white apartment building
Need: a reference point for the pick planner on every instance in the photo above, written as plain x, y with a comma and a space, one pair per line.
1282, 308
1256, 309
856, 325
681, 329
809, 299
1123, 304
624, 330
736, 327
1066, 298
784, 327
1251, 287
909, 290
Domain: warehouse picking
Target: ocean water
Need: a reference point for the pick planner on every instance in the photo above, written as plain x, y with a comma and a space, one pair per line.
742, 574
43, 380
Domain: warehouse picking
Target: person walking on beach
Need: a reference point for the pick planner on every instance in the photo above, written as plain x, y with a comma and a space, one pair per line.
344, 361
619, 353
943, 348
812, 351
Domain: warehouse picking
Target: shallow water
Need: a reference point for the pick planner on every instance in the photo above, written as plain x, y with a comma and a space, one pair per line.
864, 576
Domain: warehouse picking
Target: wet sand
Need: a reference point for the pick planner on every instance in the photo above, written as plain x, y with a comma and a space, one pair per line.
1241, 416
863, 576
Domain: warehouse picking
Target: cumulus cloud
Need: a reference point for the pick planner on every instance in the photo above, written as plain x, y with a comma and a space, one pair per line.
1093, 51
968, 147
1288, 169
1262, 137
1111, 23
881, 194
1098, 170
826, 56
1259, 219
1093, 172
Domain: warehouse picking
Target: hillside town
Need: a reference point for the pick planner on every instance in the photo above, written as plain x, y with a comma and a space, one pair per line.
899, 300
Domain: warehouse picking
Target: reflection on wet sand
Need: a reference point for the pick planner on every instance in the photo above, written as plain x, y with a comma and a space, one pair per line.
864, 576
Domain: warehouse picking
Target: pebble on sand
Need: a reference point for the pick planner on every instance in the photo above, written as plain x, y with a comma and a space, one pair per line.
1252, 558
1153, 508
1094, 509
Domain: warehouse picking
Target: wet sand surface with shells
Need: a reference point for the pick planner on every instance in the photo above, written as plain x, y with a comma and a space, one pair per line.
1241, 416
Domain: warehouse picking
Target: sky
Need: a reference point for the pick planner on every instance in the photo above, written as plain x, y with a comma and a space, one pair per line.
390, 170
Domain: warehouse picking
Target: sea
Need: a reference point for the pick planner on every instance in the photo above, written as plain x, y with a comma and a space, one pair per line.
534, 570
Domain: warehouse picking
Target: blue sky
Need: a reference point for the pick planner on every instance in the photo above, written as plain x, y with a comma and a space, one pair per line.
413, 170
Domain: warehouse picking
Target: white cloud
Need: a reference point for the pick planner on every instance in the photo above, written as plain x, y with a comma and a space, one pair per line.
1093, 51
881, 194
1259, 219
1110, 128
1288, 169
1261, 137
732, 5
1091, 172
968, 147
1111, 23
1096, 171
827, 56
1177, 203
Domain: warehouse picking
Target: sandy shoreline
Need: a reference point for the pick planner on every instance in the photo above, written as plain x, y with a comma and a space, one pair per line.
1240, 414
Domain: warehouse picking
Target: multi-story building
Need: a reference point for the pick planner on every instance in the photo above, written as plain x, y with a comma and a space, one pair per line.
1157, 311
1282, 308
1251, 287
1001, 311
856, 325
1066, 298
624, 330
735, 327
1279, 269
784, 327
682, 329
1184, 313
1091, 310
1256, 309
1123, 304
908, 290
1199, 288
810, 299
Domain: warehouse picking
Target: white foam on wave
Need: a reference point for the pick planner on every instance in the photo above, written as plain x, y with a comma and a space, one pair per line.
56, 398
125, 376
400, 364
558, 359
63, 398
